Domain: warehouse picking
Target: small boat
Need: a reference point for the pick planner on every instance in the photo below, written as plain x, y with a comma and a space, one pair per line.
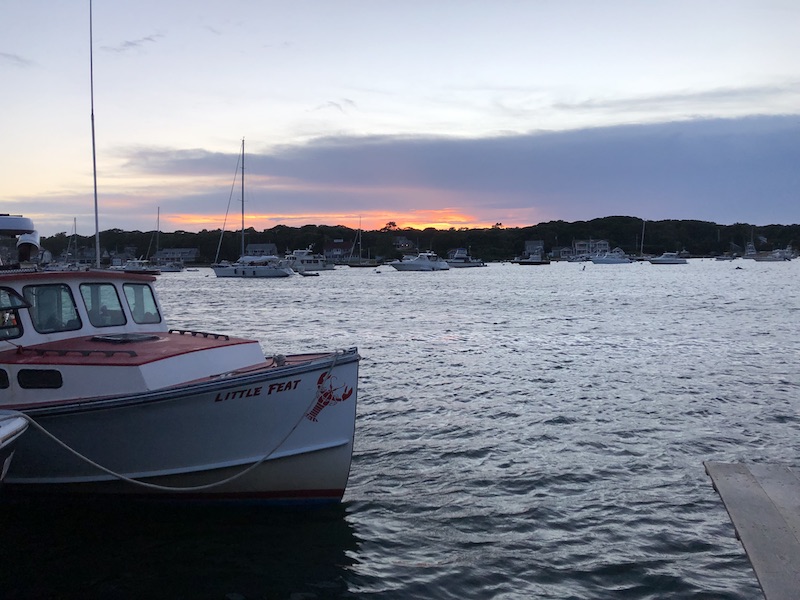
141, 266
533, 259
424, 261
140, 409
170, 266
668, 258
247, 265
778, 255
12, 426
615, 257
461, 258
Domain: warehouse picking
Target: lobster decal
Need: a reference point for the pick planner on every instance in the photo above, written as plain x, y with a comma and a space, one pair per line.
326, 395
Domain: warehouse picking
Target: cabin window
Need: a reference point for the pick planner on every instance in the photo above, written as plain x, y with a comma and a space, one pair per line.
39, 379
52, 308
3, 379
142, 303
10, 301
103, 304
9, 325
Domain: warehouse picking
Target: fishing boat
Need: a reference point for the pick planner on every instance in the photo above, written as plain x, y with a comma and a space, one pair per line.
248, 265
124, 405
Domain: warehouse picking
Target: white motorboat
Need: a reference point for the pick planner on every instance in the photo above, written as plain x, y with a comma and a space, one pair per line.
424, 261
253, 266
249, 265
303, 261
778, 255
170, 266
141, 266
461, 258
124, 405
533, 259
12, 426
668, 258
615, 257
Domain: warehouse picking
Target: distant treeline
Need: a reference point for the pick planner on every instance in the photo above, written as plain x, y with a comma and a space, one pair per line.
699, 238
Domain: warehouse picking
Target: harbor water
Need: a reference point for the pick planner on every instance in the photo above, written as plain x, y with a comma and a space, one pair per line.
522, 432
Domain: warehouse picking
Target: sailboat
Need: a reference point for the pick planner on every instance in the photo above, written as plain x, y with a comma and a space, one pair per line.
165, 265
358, 260
251, 265
69, 262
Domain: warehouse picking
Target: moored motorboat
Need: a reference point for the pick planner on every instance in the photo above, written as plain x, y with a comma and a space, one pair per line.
303, 261
141, 266
124, 405
424, 261
533, 259
668, 258
460, 258
615, 257
253, 266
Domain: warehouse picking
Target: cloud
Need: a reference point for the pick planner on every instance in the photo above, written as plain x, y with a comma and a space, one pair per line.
129, 45
722, 170
750, 96
15, 60
342, 105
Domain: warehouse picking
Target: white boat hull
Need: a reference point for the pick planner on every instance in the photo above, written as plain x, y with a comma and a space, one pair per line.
12, 426
285, 434
424, 261
458, 264
251, 271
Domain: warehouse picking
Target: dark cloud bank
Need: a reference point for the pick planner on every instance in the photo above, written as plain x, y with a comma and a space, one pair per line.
726, 170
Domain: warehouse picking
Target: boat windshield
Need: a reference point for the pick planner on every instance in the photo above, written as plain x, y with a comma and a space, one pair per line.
142, 303
52, 308
103, 304
10, 301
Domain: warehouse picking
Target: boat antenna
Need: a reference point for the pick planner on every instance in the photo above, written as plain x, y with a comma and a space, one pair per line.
94, 150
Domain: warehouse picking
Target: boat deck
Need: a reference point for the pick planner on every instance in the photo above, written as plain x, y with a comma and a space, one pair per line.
763, 501
120, 349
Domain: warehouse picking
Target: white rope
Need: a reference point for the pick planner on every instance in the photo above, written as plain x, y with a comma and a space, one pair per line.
167, 488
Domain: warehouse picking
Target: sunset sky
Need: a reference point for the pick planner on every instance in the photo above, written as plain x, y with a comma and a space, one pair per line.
427, 113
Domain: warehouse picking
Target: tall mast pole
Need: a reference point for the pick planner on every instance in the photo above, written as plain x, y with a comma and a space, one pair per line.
242, 254
94, 151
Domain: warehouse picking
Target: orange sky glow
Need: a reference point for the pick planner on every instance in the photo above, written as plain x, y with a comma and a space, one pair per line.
438, 219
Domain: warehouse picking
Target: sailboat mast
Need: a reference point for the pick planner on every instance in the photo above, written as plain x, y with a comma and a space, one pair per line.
94, 150
242, 253
641, 248
158, 227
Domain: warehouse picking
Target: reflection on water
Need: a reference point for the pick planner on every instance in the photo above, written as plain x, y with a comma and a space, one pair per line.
144, 550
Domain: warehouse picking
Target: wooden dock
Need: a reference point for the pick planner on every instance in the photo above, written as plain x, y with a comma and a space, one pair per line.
763, 501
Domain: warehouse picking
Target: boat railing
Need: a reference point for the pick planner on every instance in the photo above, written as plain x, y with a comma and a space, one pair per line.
205, 334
